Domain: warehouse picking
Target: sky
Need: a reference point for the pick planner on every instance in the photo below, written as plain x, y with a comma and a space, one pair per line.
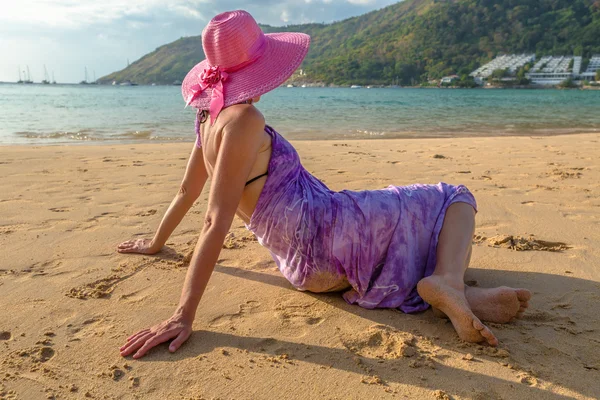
68, 36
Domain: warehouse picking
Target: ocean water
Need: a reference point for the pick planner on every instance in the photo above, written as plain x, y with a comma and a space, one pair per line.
59, 114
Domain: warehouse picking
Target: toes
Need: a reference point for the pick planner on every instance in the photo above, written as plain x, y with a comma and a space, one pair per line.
523, 295
487, 334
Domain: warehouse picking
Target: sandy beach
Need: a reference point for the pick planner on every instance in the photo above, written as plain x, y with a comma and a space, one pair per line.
69, 300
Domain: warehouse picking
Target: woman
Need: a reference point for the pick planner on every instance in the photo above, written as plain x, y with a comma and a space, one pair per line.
401, 247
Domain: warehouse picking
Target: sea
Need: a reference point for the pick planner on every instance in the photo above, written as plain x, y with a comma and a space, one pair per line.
38, 114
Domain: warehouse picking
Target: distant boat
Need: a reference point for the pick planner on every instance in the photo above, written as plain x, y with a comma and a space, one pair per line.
27, 77
53, 80
20, 80
355, 87
94, 82
114, 83
153, 84
128, 83
291, 86
85, 81
303, 85
46, 80
176, 83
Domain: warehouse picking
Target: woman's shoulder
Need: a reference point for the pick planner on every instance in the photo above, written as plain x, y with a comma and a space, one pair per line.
244, 116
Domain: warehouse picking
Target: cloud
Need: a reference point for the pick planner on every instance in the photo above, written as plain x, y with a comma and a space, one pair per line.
104, 34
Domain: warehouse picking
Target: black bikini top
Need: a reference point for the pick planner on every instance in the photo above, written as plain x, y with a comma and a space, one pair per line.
257, 178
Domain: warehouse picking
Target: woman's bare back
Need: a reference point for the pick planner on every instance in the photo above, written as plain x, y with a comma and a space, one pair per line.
211, 141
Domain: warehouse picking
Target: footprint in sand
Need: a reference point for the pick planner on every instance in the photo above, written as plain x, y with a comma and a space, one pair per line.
383, 342
5, 335
146, 213
244, 309
233, 241
59, 209
520, 243
297, 315
36, 354
564, 174
527, 379
103, 287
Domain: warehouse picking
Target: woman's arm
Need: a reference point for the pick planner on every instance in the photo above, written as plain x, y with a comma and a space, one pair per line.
193, 182
239, 147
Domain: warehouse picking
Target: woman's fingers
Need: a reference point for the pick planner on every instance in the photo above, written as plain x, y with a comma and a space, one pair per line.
136, 344
154, 341
134, 246
130, 338
132, 249
178, 341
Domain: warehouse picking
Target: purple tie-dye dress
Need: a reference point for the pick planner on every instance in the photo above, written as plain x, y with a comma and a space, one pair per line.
376, 243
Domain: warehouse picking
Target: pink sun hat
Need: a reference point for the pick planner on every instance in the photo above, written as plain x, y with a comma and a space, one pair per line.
241, 62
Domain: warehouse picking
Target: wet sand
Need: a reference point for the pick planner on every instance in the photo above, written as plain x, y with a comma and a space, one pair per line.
69, 300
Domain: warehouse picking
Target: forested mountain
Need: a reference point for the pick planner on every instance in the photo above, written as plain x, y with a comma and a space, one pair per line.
413, 40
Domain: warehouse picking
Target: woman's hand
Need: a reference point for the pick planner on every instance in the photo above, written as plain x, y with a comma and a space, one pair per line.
175, 327
141, 246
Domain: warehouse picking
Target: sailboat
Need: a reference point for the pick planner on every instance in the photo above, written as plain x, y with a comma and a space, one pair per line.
46, 80
394, 83
94, 81
85, 81
20, 80
53, 80
28, 77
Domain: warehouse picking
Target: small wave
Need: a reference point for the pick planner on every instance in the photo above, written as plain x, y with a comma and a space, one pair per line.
81, 135
136, 135
370, 133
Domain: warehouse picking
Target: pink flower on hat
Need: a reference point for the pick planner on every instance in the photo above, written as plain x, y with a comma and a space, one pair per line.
211, 76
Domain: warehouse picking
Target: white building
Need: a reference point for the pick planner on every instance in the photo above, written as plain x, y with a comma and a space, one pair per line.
552, 70
548, 70
511, 62
449, 79
590, 72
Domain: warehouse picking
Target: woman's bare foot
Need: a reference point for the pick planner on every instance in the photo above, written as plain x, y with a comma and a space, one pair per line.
499, 305
449, 298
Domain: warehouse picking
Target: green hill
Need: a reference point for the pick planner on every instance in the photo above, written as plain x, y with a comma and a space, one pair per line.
413, 40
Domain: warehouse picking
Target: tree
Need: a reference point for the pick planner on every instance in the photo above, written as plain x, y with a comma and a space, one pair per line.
567, 84
499, 74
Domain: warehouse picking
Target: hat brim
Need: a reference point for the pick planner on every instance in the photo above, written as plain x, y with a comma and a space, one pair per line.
283, 54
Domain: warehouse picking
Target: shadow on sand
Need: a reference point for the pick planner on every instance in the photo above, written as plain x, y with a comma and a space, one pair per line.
558, 334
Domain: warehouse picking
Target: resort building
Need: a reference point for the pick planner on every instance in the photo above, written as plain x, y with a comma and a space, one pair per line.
551, 70
548, 70
450, 79
511, 62
593, 66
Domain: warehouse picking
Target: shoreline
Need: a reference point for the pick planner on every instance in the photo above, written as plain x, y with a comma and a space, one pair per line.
294, 138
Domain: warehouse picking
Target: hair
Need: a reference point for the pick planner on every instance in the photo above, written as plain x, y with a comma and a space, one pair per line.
202, 116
